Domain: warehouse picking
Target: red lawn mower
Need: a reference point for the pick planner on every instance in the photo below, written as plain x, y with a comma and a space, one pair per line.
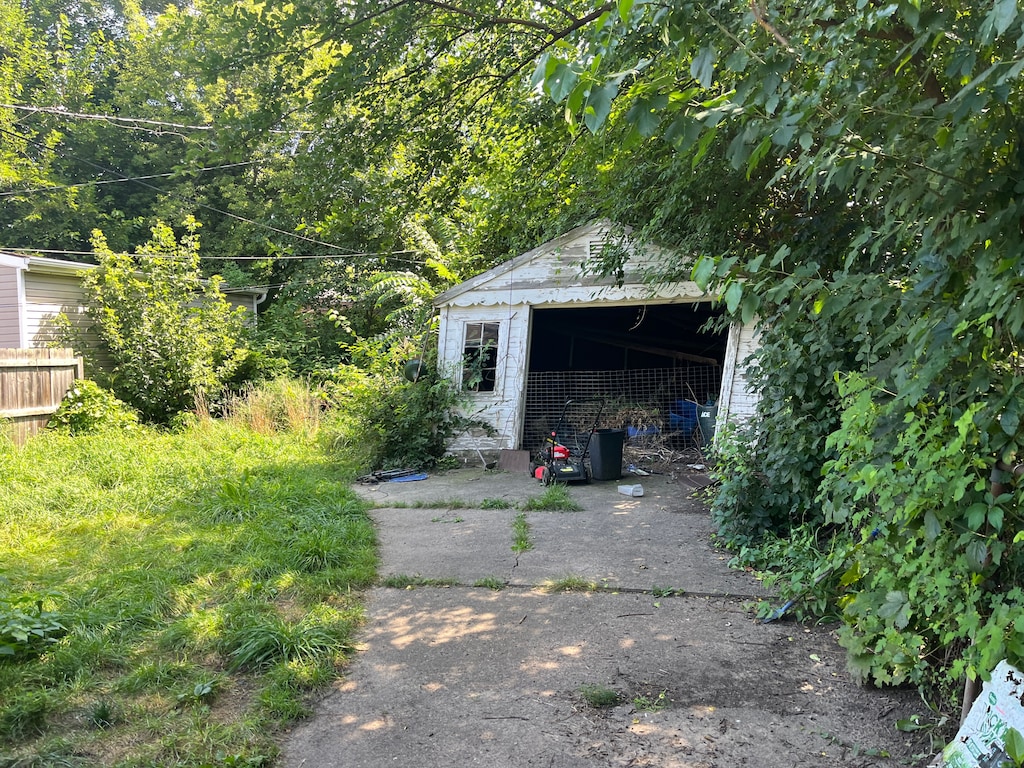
563, 458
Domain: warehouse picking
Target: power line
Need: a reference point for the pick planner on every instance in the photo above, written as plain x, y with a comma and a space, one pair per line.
121, 176
60, 112
312, 257
127, 178
106, 118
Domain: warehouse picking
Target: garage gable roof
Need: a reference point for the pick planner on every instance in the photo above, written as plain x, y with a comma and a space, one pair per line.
554, 273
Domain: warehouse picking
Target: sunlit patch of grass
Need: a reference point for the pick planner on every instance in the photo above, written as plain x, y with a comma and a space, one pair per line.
496, 504
182, 565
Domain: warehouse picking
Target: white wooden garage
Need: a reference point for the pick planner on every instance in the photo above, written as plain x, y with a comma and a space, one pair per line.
542, 330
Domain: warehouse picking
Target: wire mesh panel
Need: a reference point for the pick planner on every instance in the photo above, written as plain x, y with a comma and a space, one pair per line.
655, 403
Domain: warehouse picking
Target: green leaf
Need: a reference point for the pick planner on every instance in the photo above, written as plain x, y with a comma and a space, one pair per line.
702, 68
579, 93
977, 556
758, 155
1013, 743
893, 605
749, 307
995, 518
819, 302
976, 515
625, 6
733, 294
599, 105
932, 526
1003, 15
561, 82
1009, 419
703, 271
645, 115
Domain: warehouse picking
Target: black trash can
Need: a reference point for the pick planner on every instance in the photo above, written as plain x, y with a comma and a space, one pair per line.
707, 415
606, 454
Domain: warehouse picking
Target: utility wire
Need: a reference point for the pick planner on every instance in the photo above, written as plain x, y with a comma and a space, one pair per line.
128, 178
121, 176
268, 257
131, 120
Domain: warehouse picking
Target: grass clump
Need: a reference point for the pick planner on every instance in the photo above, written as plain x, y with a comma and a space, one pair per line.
496, 504
405, 581
490, 582
173, 597
570, 584
521, 533
600, 695
441, 504
555, 498
657, 591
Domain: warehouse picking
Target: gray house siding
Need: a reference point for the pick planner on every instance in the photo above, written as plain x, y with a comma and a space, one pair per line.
10, 303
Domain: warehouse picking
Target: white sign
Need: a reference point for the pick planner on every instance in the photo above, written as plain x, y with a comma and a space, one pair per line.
980, 741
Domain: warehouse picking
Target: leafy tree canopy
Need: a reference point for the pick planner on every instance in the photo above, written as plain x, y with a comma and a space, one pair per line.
902, 317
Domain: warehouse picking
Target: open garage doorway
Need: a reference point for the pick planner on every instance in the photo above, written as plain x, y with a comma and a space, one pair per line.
649, 366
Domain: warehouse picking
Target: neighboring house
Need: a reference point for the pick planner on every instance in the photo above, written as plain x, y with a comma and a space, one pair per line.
538, 330
34, 291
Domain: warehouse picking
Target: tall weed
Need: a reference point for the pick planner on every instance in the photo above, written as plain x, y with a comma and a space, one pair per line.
278, 405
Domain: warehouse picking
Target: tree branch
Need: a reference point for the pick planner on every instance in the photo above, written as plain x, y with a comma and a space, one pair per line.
762, 20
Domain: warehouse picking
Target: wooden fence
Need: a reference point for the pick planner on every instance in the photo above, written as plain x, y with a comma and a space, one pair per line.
32, 384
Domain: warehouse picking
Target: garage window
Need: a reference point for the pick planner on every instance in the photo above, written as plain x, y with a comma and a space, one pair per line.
480, 357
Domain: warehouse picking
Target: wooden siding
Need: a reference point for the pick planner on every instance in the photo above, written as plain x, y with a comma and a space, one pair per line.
32, 384
502, 408
738, 403
10, 307
551, 276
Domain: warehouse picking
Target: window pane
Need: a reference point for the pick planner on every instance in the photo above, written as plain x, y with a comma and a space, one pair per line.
480, 357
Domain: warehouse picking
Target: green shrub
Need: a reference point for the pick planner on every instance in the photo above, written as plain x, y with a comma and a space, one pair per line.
173, 337
87, 407
388, 422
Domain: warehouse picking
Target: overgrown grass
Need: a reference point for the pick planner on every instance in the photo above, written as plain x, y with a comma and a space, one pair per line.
200, 585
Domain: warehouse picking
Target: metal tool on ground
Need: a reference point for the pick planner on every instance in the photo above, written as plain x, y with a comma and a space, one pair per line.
779, 612
386, 475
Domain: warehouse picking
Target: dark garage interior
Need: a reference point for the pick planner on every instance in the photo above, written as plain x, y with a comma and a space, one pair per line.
647, 367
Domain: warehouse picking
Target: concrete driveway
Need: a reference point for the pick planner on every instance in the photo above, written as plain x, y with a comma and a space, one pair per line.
453, 672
